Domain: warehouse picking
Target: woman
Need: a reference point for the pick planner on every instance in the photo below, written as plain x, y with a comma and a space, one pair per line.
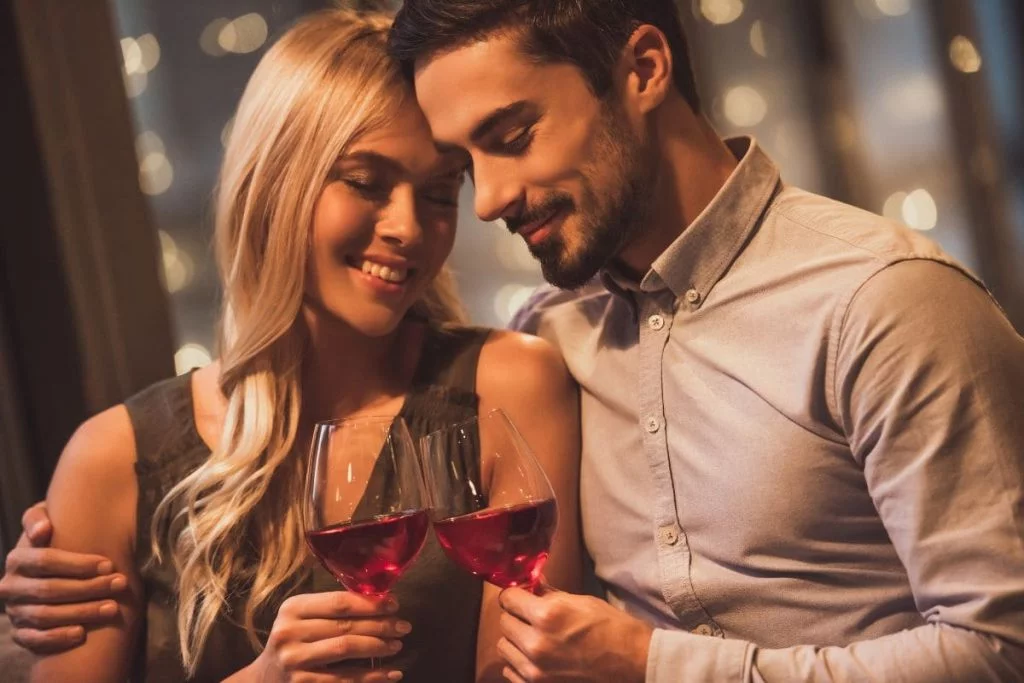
335, 214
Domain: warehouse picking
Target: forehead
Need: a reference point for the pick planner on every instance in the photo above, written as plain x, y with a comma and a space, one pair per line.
457, 89
405, 138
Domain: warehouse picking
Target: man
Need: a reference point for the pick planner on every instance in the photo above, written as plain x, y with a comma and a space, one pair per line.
802, 433
802, 445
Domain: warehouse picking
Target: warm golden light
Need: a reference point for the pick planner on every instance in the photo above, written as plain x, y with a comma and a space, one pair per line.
132, 55
245, 34
209, 39
721, 12
744, 106
149, 49
893, 8
757, 41
178, 267
155, 173
920, 211
964, 55
191, 356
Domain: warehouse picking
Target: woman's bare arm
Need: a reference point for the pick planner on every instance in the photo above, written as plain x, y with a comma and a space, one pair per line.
526, 377
91, 501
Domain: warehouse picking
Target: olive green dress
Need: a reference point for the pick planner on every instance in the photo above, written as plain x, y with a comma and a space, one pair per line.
441, 601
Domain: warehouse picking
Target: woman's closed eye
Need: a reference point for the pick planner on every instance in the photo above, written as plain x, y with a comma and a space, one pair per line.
367, 186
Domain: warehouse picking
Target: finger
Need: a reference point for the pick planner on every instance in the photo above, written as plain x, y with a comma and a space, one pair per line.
517, 634
340, 604
518, 664
312, 630
41, 562
325, 652
48, 642
510, 675
31, 615
520, 603
20, 589
36, 524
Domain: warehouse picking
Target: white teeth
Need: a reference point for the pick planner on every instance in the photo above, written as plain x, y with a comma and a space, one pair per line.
385, 273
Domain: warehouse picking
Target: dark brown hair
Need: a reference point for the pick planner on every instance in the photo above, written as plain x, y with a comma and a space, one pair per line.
589, 34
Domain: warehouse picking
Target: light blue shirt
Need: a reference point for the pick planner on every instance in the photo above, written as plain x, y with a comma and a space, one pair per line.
802, 446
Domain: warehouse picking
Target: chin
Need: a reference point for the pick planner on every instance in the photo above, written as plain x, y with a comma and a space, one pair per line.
370, 321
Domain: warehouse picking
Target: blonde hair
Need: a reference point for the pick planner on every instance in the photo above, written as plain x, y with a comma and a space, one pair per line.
234, 524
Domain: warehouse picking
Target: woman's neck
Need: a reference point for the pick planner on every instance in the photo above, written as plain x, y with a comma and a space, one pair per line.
346, 372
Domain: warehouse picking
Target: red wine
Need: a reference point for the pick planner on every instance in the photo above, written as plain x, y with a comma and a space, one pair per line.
506, 546
368, 557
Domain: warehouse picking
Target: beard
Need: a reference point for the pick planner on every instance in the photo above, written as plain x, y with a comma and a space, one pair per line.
609, 218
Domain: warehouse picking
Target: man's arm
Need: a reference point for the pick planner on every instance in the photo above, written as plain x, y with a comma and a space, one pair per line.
929, 387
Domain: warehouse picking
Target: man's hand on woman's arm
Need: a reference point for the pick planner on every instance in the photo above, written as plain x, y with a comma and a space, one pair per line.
51, 594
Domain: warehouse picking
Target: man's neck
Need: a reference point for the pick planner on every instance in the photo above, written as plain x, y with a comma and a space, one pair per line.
694, 165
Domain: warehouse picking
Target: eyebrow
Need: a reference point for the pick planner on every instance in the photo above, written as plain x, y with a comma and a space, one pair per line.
375, 158
449, 170
496, 118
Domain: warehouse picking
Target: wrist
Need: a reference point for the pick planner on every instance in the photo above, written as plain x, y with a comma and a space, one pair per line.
641, 651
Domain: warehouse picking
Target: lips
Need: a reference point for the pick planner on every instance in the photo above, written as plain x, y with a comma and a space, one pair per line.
385, 269
532, 232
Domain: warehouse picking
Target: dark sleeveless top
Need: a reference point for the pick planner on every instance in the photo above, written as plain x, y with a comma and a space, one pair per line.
441, 601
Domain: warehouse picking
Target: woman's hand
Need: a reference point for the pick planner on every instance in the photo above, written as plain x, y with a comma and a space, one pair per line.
315, 632
51, 595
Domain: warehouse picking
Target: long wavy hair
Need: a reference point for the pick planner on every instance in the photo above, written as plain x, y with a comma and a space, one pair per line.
233, 526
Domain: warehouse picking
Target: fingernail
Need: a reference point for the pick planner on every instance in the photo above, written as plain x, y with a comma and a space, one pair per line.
395, 645
77, 632
108, 609
118, 584
105, 567
403, 627
37, 529
395, 675
391, 605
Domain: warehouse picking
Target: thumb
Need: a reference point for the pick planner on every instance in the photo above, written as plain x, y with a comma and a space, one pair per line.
37, 526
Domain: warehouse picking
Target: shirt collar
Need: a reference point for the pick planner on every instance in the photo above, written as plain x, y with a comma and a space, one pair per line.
698, 258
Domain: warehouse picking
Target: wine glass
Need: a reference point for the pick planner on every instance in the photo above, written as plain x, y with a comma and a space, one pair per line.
492, 506
363, 512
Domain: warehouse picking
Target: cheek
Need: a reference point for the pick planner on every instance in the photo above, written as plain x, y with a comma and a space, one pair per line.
442, 239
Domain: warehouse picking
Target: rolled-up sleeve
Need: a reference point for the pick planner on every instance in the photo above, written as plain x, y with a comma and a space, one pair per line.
928, 385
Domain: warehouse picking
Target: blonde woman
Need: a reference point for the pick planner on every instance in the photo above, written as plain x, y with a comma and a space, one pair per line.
335, 214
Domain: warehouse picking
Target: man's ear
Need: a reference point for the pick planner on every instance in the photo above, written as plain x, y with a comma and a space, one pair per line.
647, 65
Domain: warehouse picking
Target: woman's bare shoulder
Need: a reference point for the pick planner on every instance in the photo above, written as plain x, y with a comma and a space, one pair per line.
512, 361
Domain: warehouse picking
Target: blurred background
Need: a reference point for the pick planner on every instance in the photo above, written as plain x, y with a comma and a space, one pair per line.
909, 108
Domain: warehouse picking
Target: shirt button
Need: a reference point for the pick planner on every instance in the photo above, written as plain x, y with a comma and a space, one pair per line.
656, 322
704, 630
669, 535
693, 296
653, 425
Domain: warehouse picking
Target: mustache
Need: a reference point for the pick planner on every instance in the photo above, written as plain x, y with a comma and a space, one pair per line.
551, 205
